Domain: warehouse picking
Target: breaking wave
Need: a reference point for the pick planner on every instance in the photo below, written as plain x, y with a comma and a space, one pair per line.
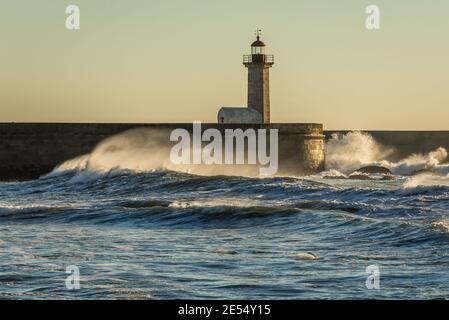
144, 150
347, 153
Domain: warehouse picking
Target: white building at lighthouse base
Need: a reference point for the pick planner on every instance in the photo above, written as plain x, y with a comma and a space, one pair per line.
239, 115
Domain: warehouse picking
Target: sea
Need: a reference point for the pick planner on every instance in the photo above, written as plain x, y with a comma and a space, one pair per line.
89, 231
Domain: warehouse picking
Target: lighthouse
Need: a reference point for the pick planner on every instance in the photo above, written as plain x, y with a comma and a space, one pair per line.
258, 64
258, 108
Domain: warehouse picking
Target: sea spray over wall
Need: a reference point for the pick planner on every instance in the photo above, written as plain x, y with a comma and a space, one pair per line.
143, 150
136, 150
349, 152
432, 161
345, 153
146, 150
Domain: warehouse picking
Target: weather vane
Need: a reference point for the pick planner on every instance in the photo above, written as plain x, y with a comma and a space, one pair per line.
258, 33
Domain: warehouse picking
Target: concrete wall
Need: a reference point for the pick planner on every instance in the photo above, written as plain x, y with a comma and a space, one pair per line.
28, 150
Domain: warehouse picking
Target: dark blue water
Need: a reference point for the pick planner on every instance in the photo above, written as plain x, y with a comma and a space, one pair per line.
168, 235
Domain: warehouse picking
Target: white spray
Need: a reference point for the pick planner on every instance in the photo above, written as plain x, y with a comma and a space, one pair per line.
349, 152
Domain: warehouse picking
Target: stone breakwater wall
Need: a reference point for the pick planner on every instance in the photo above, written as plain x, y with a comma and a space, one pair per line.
29, 150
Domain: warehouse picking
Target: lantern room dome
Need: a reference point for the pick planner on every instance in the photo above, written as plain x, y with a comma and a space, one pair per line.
258, 43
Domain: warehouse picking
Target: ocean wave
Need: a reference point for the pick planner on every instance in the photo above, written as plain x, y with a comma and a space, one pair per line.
26, 212
143, 151
428, 181
441, 225
349, 152
154, 210
167, 190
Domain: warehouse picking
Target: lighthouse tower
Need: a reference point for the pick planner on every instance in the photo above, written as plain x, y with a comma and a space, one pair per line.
259, 64
258, 108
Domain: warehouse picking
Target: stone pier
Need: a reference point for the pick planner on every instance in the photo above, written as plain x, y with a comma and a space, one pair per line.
29, 150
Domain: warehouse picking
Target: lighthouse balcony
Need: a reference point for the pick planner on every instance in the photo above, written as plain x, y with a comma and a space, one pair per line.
258, 58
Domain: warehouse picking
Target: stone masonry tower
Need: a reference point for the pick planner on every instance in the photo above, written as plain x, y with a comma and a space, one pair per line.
259, 64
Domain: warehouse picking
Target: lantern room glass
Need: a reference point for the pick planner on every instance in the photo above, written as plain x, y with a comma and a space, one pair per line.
257, 50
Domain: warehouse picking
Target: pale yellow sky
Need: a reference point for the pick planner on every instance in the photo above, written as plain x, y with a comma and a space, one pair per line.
180, 61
